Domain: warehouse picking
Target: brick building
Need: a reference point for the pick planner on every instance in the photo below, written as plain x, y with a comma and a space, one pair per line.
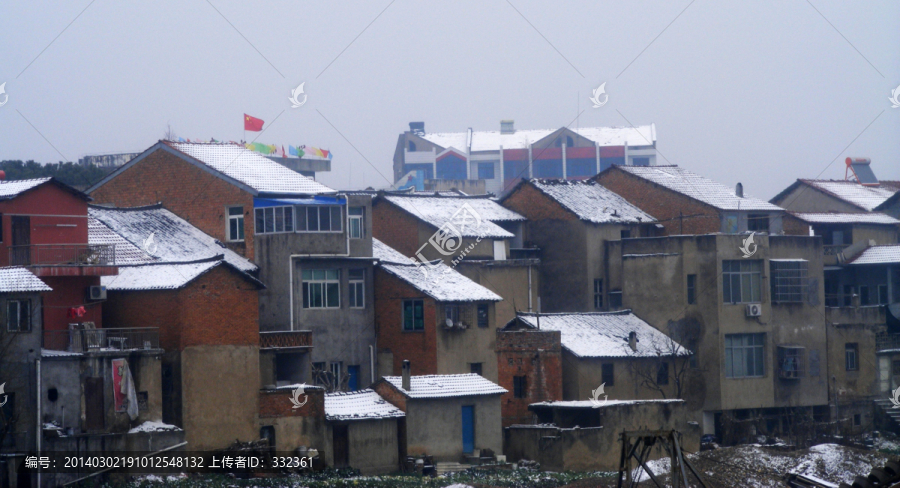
529, 364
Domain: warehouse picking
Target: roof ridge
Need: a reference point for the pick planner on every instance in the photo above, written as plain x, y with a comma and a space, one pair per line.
216, 257
626, 311
152, 206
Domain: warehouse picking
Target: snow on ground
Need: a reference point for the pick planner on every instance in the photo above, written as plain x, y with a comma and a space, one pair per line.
458, 485
152, 426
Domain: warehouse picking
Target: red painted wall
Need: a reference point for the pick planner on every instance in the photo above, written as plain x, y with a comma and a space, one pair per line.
70, 292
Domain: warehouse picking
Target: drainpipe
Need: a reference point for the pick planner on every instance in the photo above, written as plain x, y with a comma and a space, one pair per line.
39, 432
372, 361
529, 289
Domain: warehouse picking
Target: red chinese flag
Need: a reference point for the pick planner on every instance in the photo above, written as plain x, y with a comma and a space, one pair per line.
252, 123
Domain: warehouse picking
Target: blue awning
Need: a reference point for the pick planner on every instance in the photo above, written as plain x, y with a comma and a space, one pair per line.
281, 202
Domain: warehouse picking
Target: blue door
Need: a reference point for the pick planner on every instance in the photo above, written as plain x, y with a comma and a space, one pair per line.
468, 428
353, 381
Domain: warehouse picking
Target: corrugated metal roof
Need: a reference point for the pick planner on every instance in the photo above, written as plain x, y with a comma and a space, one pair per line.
697, 187
605, 334
887, 254
591, 201
643, 135
446, 385
20, 280
359, 405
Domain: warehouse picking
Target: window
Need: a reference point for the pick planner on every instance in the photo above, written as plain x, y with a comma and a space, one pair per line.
615, 299
452, 314
789, 281
337, 370
320, 377
598, 294
483, 315
475, 368
864, 295
607, 375
758, 223
625, 234
691, 289
640, 161
235, 223
321, 288
357, 278
412, 146
520, 386
851, 356
662, 374
790, 362
848, 295
357, 222
744, 356
485, 171
857, 419
270, 220
413, 315
315, 218
882, 295
18, 315
740, 281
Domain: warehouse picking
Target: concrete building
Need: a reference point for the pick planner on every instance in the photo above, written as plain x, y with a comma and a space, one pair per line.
364, 431
434, 317
844, 234
529, 366
832, 196
449, 417
474, 234
500, 158
568, 221
614, 354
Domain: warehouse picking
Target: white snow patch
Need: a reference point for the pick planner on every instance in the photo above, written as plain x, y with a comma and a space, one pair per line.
152, 426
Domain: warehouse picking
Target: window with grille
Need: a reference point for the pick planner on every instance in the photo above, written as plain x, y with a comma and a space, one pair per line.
789, 281
598, 294
235, 223
357, 279
483, 319
321, 288
18, 315
744, 355
740, 281
790, 362
272, 220
851, 356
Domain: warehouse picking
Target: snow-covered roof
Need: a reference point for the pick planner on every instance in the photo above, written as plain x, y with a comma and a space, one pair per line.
644, 135
887, 254
471, 216
436, 279
605, 334
174, 239
12, 188
50, 353
846, 218
864, 197
125, 252
359, 405
18, 280
446, 385
157, 276
699, 188
591, 201
603, 403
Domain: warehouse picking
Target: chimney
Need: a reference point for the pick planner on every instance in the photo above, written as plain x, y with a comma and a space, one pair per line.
632, 340
417, 128
406, 384
507, 126
739, 190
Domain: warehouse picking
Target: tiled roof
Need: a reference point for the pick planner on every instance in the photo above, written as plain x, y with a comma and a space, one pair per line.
605, 334
644, 135
12, 188
157, 276
888, 254
436, 280
359, 405
602, 404
13, 280
126, 252
697, 187
176, 240
846, 218
446, 385
864, 197
473, 217
250, 168
591, 201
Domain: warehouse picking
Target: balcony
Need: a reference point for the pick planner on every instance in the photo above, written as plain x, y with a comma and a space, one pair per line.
62, 255
102, 340
284, 340
887, 342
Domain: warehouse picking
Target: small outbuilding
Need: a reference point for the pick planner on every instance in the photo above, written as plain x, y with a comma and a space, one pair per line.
362, 427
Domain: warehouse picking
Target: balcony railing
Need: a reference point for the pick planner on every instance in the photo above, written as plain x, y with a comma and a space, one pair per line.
834, 250
292, 339
885, 342
63, 255
96, 340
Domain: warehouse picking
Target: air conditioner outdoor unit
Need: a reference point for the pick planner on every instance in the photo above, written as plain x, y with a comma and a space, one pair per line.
754, 310
97, 293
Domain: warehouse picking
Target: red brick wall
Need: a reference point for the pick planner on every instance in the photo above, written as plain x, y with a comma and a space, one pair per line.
277, 403
395, 227
184, 189
389, 393
69, 292
535, 205
662, 203
535, 355
419, 347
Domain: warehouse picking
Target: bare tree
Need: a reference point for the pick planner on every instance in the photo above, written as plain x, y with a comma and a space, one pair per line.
169, 134
671, 361
330, 381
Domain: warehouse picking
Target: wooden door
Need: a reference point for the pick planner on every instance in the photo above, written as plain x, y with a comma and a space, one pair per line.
21, 240
341, 444
93, 404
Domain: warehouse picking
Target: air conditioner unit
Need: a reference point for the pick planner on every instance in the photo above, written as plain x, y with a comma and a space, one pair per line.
97, 293
754, 310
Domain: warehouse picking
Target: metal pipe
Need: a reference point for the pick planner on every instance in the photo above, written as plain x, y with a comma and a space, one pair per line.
372, 362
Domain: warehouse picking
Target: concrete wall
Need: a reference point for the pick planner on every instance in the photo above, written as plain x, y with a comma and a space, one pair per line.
18, 351
509, 279
458, 349
805, 198
582, 375
434, 426
304, 426
373, 446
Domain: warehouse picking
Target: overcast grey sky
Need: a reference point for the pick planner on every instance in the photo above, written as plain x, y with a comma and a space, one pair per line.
760, 92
